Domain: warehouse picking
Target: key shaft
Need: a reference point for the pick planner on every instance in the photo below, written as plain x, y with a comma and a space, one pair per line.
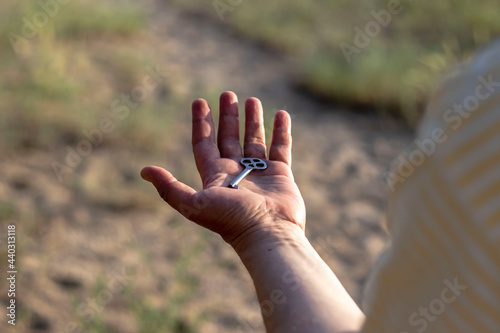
239, 178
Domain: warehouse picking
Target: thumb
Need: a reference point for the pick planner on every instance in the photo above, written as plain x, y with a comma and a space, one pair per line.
177, 194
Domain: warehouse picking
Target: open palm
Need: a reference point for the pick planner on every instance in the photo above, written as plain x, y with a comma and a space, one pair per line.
266, 198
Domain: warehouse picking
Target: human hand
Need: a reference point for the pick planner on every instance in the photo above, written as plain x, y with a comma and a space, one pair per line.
267, 200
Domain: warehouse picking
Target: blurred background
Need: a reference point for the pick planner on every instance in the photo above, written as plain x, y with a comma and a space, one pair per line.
91, 91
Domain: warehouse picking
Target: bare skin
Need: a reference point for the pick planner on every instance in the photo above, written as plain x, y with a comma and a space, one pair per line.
263, 221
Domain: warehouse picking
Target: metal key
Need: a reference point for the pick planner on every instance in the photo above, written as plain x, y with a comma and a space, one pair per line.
249, 164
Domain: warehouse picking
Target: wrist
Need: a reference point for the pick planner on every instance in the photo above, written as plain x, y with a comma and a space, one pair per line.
264, 238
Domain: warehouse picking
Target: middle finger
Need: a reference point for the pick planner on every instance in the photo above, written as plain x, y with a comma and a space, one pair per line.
228, 137
255, 142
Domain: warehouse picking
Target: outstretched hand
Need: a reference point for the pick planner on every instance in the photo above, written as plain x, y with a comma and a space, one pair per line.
266, 200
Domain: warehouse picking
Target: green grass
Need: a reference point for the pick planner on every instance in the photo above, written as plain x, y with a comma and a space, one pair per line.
171, 316
82, 19
89, 320
71, 20
7, 210
51, 87
394, 73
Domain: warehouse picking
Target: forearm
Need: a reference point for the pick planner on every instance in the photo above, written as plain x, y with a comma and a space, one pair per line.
297, 291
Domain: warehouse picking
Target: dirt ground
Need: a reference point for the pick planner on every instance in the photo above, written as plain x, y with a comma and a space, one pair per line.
95, 256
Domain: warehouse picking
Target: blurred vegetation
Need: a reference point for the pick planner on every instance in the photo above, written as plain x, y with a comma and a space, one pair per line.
171, 315
395, 72
63, 79
61, 72
152, 312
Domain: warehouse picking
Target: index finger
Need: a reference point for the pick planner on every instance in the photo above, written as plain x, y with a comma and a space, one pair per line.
204, 148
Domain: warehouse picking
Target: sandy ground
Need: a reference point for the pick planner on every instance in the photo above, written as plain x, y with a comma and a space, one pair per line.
96, 254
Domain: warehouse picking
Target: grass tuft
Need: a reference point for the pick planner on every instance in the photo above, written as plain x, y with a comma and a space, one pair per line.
398, 68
